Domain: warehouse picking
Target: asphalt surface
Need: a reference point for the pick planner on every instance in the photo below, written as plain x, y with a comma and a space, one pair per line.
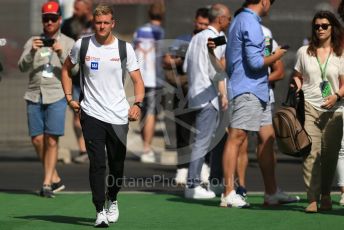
20, 171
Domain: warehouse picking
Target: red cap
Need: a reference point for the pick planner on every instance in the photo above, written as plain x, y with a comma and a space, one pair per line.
51, 8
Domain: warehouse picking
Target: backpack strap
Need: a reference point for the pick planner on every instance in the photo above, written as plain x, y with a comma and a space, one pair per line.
296, 100
122, 46
83, 50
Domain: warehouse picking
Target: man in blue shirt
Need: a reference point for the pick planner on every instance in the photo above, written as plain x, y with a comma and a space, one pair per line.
248, 90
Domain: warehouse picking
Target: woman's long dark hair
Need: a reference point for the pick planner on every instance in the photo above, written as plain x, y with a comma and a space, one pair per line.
336, 34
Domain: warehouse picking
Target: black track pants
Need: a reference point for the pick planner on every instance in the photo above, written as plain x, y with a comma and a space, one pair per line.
98, 135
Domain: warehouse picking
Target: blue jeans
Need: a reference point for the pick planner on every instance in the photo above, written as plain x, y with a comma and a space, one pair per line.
46, 118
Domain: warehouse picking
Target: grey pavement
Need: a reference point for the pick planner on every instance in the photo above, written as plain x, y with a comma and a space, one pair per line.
21, 171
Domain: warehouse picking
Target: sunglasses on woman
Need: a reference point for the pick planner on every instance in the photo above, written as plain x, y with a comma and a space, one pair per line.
322, 26
50, 17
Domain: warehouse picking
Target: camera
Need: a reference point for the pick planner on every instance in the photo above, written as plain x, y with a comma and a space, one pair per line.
219, 41
47, 42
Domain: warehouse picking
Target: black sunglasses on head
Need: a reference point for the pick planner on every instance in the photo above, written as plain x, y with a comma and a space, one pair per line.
322, 26
50, 17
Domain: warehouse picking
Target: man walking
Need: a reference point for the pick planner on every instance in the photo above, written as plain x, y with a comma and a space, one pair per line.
43, 57
147, 49
104, 109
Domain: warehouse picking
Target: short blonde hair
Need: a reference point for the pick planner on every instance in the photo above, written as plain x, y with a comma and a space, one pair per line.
103, 10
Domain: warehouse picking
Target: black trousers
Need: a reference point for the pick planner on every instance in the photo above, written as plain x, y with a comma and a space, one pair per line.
98, 135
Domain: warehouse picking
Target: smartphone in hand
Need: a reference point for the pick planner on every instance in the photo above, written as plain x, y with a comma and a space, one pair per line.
219, 41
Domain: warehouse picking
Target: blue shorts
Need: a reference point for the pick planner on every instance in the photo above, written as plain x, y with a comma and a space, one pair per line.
46, 118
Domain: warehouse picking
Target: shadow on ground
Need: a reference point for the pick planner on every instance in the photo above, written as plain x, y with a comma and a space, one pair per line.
74, 220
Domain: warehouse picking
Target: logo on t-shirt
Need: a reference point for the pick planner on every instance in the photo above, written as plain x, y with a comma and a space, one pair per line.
94, 65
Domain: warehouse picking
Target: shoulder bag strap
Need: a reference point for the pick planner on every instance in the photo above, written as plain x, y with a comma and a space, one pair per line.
122, 46
83, 50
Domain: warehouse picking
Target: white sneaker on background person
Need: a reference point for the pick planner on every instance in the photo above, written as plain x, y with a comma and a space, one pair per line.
81, 158
280, 197
101, 220
233, 200
112, 212
341, 202
198, 193
148, 157
181, 176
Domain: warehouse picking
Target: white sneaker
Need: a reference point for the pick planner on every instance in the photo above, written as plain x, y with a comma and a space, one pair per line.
82, 158
341, 202
148, 157
198, 193
101, 220
181, 176
233, 200
205, 173
280, 197
112, 212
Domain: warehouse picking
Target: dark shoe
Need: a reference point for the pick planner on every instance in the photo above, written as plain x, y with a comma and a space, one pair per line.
46, 192
241, 191
325, 203
312, 207
57, 187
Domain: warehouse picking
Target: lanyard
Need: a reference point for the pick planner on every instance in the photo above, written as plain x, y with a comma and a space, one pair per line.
323, 68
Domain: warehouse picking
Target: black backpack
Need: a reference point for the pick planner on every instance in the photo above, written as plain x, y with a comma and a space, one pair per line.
83, 50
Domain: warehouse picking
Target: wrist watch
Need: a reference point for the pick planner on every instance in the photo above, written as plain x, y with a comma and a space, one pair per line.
338, 96
139, 104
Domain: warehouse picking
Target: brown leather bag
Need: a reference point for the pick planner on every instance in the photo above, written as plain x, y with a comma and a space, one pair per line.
291, 137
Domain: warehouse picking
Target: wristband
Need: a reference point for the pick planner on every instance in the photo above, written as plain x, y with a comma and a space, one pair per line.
139, 104
338, 96
69, 101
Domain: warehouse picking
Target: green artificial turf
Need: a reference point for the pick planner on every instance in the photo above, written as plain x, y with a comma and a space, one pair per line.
160, 211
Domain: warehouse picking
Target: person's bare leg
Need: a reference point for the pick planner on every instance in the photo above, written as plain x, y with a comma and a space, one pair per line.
50, 157
266, 158
242, 163
78, 132
235, 139
148, 132
38, 144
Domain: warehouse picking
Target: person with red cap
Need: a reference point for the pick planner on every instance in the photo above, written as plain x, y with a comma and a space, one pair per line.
43, 57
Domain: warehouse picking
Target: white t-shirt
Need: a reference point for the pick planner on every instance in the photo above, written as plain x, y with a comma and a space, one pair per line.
309, 68
104, 95
268, 39
200, 70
